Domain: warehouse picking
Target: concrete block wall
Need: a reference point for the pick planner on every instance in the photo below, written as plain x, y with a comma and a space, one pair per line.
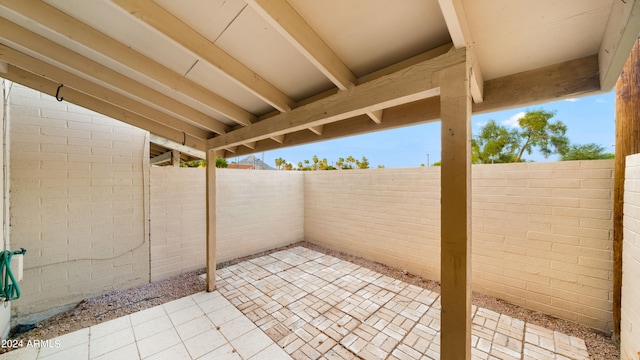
391, 216
5, 312
542, 232
257, 210
630, 320
77, 201
178, 220
542, 237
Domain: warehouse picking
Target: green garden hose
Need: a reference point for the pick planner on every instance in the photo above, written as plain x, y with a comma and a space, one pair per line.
9, 289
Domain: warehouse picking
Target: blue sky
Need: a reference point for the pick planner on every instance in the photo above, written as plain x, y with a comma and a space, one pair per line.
589, 119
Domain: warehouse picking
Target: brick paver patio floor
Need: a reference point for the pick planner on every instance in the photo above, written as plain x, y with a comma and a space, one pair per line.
315, 306
301, 304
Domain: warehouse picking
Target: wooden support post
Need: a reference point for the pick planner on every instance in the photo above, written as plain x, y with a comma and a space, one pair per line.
627, 143
175, 158
455, 273
211, 219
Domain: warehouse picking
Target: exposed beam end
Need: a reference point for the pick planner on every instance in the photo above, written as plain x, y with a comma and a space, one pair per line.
4, 67
376, 116
279, 138
317, 129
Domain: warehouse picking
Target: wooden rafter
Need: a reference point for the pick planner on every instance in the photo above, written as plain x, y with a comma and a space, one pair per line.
620, 35
70, 80
285, 19
49, 49
162, 158
170, 144
66, 25
404, 86
456, 19
49, 87
165, 22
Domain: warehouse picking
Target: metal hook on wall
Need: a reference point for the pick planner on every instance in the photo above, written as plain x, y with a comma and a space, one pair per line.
58, 93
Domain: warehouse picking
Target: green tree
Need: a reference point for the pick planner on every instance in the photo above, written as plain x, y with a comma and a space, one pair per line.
340, 163
220, 162
591, 151
299, 165
279, 163
497, 144
315, 162
494, 144
350, 160
364, 164
538, 131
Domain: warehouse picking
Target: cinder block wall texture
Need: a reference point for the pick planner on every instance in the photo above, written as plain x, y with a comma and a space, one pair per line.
177, 217
542, 232
630, 324
257, 210
77, 201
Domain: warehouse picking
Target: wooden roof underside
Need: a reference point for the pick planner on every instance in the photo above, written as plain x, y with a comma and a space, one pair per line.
247, 76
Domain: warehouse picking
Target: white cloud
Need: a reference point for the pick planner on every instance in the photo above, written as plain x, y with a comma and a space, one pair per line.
571, 100
513, 121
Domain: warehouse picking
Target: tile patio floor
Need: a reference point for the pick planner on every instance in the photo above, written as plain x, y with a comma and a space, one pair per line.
302, 304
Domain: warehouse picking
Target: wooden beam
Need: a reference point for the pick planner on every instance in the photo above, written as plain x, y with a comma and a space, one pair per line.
173, 145
620, 34
278, 138
251, 145
456, 20
317, 129
4, 67
165, 22
405, 86
455, 249
524, 89
627, 143
60, 76
211, 219
49, 87
175, 158
284, 18
555, 82
420, 112
49, 49
376, 116
63, 24
162, 158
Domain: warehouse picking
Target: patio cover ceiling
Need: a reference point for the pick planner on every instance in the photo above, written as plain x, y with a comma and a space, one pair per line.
245, 76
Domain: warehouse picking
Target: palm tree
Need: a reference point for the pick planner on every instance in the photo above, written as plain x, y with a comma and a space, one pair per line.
280, 163
340, 163
350, 160
315, 162
299, 165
